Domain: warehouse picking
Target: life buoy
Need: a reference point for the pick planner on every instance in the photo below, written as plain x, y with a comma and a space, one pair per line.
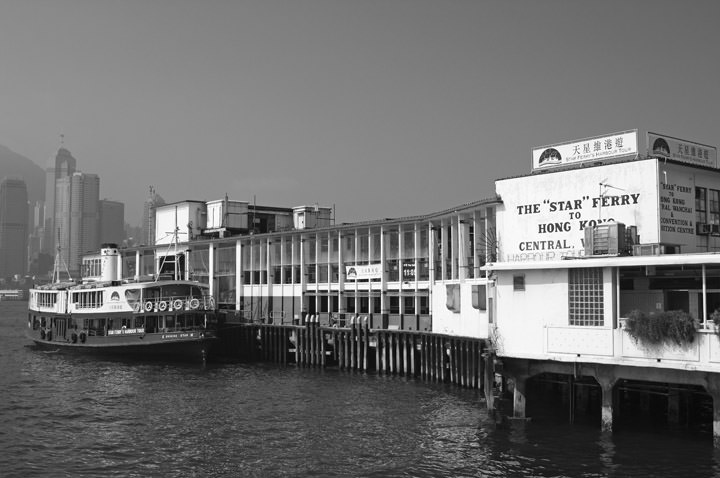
136, 307
162, 305
74, 338
83, 337
177, 304
148, 306
194, 303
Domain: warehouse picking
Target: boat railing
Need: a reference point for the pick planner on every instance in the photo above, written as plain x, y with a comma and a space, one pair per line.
178, 303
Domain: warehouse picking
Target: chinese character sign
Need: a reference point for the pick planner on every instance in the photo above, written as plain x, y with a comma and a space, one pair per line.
681, 150
591, 149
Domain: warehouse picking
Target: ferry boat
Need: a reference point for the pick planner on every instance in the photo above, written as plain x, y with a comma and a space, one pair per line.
150, 317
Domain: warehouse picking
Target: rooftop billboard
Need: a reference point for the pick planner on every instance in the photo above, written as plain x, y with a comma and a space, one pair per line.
597, 148
681, 150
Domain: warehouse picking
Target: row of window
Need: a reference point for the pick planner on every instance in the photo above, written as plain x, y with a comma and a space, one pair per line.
88, 299
46, 299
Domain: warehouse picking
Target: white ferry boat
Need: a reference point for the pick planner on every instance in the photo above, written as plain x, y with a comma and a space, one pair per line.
134, 318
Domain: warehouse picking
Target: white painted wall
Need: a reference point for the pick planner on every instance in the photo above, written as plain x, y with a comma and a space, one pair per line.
468, 322
523, 315
180, 215
237, 214
534, 323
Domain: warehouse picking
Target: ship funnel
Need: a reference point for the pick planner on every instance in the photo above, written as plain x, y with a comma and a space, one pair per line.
109, 256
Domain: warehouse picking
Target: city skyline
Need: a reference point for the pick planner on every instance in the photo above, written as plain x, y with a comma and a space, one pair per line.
383, 109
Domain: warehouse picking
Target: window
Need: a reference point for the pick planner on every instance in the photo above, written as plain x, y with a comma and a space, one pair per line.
394, 301
519, 282
701, 205
409, 305
586, 300
714, 209
479, 297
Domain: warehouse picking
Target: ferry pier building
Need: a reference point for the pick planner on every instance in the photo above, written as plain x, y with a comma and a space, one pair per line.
398, 281
607, 280
594, 278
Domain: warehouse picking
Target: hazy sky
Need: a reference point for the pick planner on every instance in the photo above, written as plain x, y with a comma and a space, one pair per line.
384, 108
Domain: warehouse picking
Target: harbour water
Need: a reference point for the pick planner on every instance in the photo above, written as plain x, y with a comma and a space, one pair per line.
69, 415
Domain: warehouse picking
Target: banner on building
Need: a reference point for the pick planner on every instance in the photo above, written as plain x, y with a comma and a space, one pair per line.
598, 148
681, 150
408, 270
366, 271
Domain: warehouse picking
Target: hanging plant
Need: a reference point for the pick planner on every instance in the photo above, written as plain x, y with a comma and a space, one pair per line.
672, 327
715, 317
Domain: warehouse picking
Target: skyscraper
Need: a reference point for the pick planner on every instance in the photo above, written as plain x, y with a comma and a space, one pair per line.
60, 166
112, 221
148, 222
77, 217
13, 227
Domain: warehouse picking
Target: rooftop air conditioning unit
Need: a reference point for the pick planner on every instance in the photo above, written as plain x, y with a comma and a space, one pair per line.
703, 229
605, 239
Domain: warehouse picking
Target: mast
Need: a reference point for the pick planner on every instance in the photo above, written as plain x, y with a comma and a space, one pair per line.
59, 262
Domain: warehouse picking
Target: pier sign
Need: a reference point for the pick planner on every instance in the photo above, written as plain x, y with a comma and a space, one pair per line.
544, 216
677, 206
681, 150
364, 271
597, 148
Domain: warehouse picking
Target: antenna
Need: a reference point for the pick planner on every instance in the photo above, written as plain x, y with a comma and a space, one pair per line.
224, 221
604, 185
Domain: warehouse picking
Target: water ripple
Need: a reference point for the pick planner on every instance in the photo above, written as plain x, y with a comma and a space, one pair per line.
70, 415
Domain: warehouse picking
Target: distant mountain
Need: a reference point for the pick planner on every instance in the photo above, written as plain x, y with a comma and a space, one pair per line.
16, 165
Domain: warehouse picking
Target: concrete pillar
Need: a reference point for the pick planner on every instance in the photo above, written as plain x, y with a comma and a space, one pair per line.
519, 397
606, 379
673, 407
713, 388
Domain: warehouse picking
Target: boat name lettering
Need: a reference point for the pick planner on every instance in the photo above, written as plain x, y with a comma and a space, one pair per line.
126, 331
184, 335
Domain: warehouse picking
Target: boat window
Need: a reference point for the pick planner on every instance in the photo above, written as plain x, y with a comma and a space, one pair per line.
151, 324
175, 290
96, 326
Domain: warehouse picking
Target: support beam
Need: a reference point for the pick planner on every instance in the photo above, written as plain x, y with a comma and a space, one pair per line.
519, 396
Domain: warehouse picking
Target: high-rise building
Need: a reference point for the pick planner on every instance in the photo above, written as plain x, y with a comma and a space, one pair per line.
61, 166
13, 227
77, 217
112, 221
148, 222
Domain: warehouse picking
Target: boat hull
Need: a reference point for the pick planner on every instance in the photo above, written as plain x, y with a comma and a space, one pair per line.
171, 345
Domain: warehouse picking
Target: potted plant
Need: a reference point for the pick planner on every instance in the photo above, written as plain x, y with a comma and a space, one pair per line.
671, 327
715, 317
